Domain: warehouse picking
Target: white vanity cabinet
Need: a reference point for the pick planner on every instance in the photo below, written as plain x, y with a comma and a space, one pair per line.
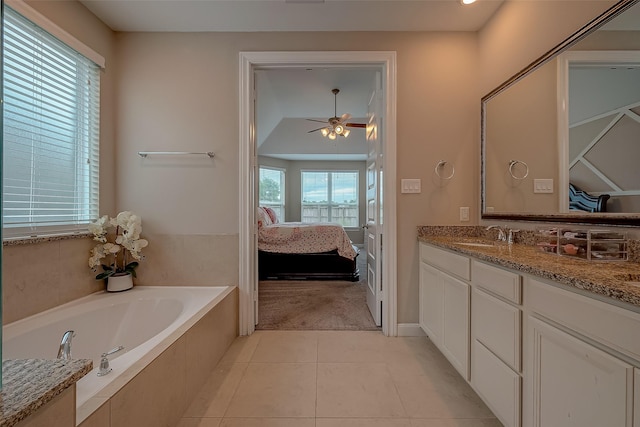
444, 304
539, 353
580, 354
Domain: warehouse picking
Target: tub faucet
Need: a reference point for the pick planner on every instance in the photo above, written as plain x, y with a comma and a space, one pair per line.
104, 362
64, 352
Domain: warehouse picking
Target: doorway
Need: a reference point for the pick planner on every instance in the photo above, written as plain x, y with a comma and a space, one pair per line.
249, 63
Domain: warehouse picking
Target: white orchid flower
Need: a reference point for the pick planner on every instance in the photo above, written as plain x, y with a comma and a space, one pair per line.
126, 239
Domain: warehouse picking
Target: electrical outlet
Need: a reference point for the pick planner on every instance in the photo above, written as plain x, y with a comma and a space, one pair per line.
464, 213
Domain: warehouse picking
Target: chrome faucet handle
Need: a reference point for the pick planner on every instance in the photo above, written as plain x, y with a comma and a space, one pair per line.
104, 362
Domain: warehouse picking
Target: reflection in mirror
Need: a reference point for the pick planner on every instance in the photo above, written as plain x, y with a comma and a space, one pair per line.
603, 119
569, 123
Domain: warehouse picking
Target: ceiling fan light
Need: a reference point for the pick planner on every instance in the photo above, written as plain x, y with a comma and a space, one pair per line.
339, 129
346, 133
332, 135
324, 132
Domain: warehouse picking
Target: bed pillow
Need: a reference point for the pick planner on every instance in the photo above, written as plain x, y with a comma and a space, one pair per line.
263, 217
272, 215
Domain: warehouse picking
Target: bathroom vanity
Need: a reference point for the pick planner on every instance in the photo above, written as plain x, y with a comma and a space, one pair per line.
544, 340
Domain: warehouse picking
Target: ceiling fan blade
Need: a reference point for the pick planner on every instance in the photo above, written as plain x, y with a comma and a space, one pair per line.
356, 125
315, 130
345, 116
319, 121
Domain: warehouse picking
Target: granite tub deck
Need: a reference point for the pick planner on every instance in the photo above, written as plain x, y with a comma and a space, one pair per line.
603, 278
30, 384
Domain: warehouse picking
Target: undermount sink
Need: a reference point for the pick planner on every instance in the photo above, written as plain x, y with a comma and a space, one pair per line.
474, 244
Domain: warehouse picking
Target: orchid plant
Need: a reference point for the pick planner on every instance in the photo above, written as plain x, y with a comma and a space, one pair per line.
123, 252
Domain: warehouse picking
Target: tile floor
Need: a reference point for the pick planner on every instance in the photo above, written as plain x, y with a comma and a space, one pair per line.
335, 379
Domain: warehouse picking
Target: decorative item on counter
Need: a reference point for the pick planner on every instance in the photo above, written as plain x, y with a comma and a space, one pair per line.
593, 245
122, 252
547, 239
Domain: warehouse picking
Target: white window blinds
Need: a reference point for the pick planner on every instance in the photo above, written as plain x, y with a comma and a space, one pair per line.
51, 133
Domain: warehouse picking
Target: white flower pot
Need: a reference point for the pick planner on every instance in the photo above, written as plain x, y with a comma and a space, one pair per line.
119, 282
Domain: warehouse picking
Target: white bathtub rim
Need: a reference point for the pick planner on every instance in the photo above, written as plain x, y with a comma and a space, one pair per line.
94, 402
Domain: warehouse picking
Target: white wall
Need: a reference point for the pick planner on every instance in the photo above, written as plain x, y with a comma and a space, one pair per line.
522, 31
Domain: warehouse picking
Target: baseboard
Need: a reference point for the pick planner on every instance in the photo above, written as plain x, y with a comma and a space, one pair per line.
410, 330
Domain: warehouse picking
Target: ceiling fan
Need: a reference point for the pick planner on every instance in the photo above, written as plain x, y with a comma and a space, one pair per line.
336, 126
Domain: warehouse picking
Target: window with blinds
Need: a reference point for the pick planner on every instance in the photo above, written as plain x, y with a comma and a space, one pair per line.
51, 133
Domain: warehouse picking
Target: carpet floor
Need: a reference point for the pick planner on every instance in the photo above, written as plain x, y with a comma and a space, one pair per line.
314, 305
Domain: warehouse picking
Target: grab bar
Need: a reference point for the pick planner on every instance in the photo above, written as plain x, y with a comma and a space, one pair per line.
104, 362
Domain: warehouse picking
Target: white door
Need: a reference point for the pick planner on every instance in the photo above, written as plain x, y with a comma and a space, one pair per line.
373, 227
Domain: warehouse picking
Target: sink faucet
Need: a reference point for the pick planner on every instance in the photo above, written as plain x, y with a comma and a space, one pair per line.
64, 352
502, 237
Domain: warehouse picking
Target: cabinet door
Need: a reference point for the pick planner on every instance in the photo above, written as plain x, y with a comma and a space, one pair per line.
455, 324
431, 294
575, 384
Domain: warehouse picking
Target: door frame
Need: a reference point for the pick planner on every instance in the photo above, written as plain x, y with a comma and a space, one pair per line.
249, 61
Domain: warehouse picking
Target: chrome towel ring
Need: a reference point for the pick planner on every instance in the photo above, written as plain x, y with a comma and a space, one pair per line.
440, 166
513, 163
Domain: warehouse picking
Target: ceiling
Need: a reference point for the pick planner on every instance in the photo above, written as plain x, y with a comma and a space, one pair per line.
286, 98
292, 15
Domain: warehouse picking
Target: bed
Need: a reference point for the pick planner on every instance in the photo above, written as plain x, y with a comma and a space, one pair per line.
303, 251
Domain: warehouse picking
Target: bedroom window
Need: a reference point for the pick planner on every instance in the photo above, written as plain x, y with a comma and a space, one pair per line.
330, 196
272, 190
51, 129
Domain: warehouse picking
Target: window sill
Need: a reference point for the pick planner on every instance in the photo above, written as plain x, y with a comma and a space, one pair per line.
19, 241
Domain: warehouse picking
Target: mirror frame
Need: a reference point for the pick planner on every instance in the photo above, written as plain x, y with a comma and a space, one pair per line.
622, 219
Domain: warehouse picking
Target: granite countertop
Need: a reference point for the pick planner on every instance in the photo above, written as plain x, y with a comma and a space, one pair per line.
28, 384
606, 278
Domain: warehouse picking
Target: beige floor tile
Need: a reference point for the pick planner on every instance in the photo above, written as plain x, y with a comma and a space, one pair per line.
215, 395
199, 422
241, 349
359, 346
275, 390
424, 397
460, 422
363, 422
287, 347
423, 359
357, 390
268, 422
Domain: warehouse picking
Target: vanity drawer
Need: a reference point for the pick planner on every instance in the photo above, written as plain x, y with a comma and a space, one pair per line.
497, 325
497, 384
498, 281
448, 262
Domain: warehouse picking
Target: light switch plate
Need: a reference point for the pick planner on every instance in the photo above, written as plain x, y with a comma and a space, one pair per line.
464, 213
543, 185
410, 186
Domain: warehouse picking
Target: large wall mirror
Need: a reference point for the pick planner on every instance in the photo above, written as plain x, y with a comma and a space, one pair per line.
561, 139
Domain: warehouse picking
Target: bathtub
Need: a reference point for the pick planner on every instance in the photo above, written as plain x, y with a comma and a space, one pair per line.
145, 320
